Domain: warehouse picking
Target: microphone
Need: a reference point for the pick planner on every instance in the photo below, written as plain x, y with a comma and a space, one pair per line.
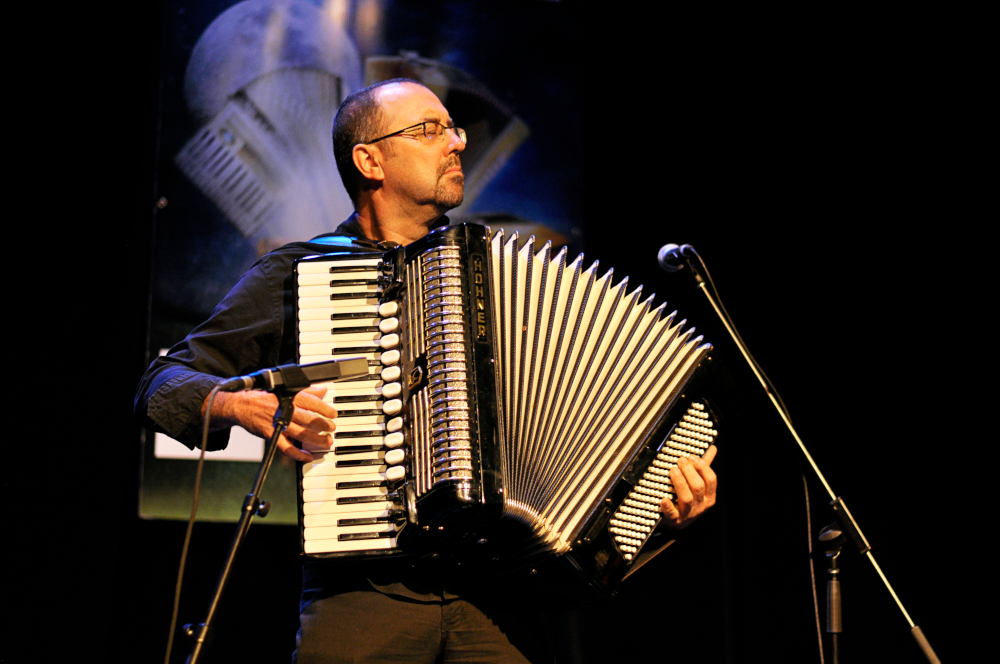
672, 257
294, 377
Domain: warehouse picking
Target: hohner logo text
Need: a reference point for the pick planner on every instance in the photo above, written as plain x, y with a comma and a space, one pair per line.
479, 286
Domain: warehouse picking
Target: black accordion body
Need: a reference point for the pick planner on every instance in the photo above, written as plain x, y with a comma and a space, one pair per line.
518, 406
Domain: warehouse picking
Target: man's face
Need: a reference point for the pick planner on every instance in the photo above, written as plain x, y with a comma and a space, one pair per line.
420, 173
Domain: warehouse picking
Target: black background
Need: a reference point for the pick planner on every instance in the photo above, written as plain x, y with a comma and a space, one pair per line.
817, 166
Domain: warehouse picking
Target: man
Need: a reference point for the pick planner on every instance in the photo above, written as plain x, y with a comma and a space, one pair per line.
398, 154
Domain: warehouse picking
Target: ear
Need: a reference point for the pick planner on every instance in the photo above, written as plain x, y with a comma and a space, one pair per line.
368, 160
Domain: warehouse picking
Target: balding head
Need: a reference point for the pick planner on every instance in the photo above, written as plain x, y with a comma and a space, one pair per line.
360, 119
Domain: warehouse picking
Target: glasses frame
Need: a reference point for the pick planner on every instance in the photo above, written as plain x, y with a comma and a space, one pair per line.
458, 132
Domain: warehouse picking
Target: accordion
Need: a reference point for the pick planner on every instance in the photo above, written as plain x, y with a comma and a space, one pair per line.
517, 405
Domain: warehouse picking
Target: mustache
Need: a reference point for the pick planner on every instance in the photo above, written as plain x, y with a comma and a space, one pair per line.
450, 164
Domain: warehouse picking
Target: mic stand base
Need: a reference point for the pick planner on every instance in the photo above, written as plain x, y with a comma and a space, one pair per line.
843, 514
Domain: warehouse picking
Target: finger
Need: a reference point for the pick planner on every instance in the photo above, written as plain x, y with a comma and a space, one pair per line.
310, 438
681, 491
693, 477
670, 512
313, 401
711, 483
710, 454
285, 447
308, 419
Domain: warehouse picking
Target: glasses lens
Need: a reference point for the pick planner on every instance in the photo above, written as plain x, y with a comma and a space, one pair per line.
461, 134
433, 130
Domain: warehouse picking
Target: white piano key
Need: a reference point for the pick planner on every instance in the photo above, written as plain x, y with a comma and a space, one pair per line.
331, 507
326, 357
363, 290
358, 391
336, 546
325, 347
331, 482
324, 312
325, 336
333, 532
359, 419
323, 266
321, 278
332, 494
325, 302
313, 469
326, 520
327, 325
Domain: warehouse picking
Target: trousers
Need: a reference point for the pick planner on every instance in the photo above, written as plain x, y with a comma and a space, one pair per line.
369, 626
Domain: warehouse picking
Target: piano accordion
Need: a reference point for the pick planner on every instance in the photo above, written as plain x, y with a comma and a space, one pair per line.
517, 405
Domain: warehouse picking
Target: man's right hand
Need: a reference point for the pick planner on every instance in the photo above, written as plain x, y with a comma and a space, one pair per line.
312, 421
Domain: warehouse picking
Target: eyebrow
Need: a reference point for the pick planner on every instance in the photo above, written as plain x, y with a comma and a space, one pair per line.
428, 118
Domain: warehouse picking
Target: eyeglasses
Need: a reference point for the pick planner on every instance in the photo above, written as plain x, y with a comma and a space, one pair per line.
433, 132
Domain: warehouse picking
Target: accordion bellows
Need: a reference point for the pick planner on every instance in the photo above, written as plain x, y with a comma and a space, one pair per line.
541, 404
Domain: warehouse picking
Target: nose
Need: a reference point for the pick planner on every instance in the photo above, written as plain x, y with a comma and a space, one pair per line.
455, 143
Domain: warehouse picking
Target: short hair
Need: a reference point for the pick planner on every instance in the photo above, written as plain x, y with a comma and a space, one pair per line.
360, 119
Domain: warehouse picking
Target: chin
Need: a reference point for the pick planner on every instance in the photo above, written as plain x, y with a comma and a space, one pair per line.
450, 199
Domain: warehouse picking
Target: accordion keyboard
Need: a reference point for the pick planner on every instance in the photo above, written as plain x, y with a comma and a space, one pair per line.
349, 497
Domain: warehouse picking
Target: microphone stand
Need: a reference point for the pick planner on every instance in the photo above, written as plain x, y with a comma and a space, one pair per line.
847, 522
252, 505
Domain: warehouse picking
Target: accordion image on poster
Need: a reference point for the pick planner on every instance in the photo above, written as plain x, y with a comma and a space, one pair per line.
518, 405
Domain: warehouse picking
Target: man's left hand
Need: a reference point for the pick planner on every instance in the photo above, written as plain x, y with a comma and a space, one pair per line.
694, 485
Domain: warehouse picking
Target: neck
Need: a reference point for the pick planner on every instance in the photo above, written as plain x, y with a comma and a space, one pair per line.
385, 222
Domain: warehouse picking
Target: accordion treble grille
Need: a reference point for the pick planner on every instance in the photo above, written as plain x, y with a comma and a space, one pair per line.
440, 286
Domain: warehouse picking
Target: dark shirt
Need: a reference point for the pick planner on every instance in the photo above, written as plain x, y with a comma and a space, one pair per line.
251, 329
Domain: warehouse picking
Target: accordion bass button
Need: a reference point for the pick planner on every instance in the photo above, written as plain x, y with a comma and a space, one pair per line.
390, 374
388, 325
392, 406
395, 424
394, 439
390, 357
389, 341
391, 390
387, 309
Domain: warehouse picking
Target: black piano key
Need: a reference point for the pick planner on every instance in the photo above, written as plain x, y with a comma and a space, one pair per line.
354, 282
367, 295
354, 350
369, 521
353, 463
356, 268
357, 449
353, 316
368, 484
364, 536
358, 398
358, 413
368, 433
358, 500
350, 330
